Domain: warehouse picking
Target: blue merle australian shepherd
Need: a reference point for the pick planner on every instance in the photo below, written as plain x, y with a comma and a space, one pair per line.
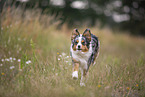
84, 50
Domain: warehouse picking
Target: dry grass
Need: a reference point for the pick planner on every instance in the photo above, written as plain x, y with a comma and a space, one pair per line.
45, 70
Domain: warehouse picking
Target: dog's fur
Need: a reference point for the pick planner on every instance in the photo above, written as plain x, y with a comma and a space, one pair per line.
84, 50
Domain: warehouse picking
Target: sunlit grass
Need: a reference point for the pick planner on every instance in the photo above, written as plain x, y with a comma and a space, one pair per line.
35, 61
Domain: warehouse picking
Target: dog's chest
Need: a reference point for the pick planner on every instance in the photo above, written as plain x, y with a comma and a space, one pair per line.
82, 57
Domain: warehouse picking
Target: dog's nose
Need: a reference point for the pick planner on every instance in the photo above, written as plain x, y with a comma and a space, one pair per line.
79, 46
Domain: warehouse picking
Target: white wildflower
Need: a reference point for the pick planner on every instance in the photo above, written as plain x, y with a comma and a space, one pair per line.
10, 58
56, 74
66, 57
14, 59
58, 58
2, 60
66, 61
7, 60
63, 54
60, 55
1, 64
28, 62
12, 67
19, 60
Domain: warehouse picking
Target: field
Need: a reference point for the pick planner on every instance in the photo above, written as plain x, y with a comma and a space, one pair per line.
35, 60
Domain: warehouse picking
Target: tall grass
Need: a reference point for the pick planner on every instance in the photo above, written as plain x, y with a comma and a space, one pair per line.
35, 60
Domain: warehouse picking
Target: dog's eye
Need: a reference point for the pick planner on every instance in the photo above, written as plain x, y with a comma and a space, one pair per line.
83, 42
76, 41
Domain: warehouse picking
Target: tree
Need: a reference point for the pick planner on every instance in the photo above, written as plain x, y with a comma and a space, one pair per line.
125, 14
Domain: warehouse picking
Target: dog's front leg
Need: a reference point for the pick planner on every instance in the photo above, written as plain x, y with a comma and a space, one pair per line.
75, 70
84, 74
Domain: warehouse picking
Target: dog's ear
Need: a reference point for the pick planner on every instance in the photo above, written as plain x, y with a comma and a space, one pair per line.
87, 34
74, 34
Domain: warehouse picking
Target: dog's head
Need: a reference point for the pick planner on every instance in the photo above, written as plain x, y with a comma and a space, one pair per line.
81, 42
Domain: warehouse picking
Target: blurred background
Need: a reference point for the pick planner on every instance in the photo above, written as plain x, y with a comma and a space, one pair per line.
128, 15
35, 44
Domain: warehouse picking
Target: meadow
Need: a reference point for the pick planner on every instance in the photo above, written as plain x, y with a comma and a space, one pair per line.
35, 60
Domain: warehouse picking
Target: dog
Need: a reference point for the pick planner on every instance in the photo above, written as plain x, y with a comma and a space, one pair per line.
84, 50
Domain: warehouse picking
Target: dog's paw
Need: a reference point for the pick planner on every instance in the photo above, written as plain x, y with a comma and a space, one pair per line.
82, 84
75, 75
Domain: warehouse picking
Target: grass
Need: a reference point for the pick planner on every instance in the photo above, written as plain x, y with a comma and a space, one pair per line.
35, 61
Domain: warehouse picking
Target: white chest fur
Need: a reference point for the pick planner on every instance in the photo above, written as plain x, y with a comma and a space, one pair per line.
82, 57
